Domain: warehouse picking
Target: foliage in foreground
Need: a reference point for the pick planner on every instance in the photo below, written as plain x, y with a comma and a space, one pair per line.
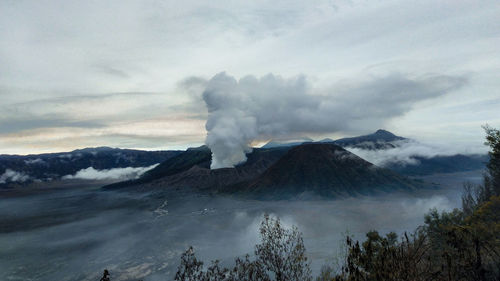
280, 256
449, 246
462, 245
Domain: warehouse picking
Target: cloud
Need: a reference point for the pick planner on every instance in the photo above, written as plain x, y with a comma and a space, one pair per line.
150, 38
50, 55
404, 153
172, 132
86, 111
38, 161
241, 111
116, 173
13, 176
127, 119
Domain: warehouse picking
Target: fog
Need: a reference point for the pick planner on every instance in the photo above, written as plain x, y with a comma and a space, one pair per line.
13, 176
405, 152
115, 173
75, 234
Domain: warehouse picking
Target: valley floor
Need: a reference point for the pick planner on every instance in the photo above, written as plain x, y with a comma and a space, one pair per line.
74, 233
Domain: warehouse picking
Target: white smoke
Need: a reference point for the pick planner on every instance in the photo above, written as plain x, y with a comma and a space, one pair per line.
240, 112
116, 173
13, 176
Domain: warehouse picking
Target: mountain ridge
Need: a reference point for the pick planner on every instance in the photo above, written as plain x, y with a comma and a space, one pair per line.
181, 170
50, 166
380, 139
325, 170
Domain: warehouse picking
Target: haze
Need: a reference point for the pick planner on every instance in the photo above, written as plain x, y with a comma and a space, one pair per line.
72, 234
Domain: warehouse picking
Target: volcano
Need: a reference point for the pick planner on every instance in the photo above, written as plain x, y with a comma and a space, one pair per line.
326, 170
317, 169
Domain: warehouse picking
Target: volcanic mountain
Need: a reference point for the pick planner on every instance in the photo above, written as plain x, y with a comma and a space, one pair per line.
191, 169
381, 139
320, 168
422, 165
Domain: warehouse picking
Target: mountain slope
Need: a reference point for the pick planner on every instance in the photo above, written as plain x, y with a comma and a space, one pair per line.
324, 169
278, 143
440, 164
191, 169
381, 139
56, 165
384, 141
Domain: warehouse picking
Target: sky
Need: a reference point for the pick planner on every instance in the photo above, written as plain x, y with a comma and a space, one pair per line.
175, 74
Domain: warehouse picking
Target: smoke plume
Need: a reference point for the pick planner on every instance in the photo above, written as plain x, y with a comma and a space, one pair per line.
249, 109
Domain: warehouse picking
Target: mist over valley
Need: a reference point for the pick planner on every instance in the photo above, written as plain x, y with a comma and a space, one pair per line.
72, 234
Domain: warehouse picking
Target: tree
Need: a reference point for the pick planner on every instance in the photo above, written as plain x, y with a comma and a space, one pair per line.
282, 251
191, 268
475, 195
492, 179
281, 256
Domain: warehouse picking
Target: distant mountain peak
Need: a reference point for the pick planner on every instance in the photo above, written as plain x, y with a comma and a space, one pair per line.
383, 132
379, 135
326, 140
286, 142
94, 149
386, 134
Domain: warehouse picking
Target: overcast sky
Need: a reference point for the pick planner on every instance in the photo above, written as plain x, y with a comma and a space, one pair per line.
135, 74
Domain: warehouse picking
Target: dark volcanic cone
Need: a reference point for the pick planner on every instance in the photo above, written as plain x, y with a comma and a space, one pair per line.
323, 169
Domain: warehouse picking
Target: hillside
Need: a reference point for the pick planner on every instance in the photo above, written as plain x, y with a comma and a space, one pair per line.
327, 170
52, 166
440, 164
324, 170
381, 139
191, 169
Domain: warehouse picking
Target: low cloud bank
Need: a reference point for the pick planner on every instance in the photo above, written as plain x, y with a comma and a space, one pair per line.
34, 161
116, 173
251, 108
13, 176
404, 153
